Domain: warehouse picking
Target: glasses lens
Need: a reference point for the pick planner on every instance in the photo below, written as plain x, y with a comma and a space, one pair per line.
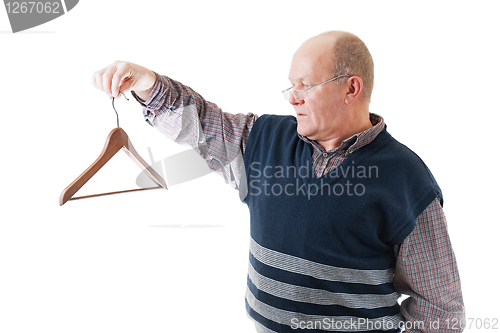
297, 94
287, 94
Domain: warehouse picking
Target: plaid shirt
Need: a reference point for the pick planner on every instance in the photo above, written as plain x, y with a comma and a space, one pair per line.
426, 268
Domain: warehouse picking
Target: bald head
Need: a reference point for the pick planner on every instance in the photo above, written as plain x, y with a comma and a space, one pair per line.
348, 55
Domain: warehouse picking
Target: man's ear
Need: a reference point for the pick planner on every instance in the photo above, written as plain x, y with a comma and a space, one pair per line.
355, 86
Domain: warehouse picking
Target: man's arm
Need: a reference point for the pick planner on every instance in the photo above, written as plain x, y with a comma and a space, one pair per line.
184, 116
426, 270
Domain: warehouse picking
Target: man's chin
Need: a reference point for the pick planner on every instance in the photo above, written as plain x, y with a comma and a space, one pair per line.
302, 131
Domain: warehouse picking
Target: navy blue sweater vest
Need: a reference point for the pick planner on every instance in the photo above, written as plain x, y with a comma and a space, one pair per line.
322, 249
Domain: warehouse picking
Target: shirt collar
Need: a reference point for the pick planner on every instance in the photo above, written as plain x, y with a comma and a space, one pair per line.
356, 141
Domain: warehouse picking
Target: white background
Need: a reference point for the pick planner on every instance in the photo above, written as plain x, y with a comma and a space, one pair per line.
175, 261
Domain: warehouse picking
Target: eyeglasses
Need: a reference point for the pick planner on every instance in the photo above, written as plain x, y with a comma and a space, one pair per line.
301, 94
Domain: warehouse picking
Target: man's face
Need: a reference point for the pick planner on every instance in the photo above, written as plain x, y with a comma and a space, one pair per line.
320, 112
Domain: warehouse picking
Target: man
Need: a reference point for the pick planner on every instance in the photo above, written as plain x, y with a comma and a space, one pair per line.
344, 218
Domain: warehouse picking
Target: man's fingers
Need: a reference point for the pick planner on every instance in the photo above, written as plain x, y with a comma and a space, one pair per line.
92, 80
107, 77
97, 79
121, 75
125, 85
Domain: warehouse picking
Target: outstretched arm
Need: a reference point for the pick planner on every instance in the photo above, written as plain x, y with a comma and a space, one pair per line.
184, 116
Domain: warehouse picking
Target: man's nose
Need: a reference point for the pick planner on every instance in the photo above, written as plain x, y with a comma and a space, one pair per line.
294, 100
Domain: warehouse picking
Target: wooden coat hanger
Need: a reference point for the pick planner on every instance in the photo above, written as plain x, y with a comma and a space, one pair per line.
116, 140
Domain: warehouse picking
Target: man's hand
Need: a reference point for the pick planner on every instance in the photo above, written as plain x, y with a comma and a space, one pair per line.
123, 76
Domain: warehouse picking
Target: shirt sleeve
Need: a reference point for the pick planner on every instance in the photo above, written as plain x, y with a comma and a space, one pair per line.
426, 270
183, 115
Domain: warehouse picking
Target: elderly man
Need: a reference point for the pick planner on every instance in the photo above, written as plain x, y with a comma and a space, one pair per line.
344, 219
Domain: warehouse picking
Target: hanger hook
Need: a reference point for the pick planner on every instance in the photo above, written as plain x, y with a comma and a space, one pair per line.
113, 103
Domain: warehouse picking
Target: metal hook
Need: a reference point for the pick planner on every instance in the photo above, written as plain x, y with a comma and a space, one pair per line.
113, 103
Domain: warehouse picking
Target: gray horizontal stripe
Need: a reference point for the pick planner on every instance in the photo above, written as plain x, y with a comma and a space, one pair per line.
326, 323
318, 296
320, 271
261, 328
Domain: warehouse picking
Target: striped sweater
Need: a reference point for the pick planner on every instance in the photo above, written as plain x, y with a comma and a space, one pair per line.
321, 253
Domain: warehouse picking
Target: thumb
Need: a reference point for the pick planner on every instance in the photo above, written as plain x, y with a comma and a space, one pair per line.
125, 85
